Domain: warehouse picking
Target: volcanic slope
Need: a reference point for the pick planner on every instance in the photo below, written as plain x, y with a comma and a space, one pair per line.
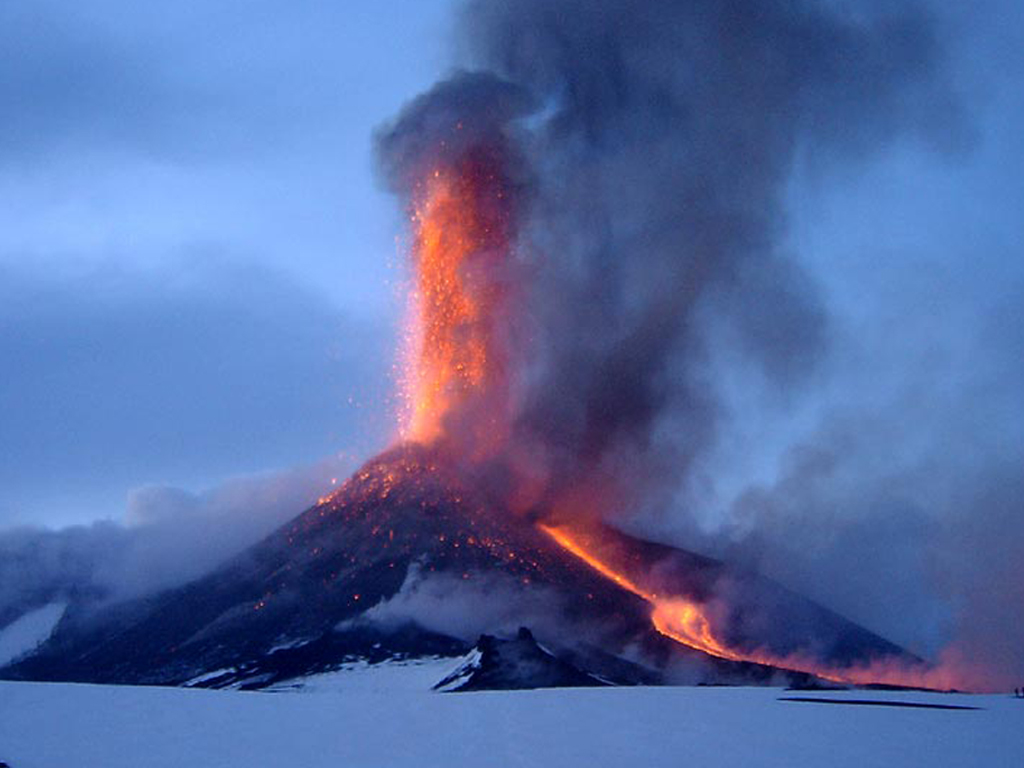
298, 601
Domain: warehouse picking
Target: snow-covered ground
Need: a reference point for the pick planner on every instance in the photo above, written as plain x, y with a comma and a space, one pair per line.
48, 725
390, 677
28, 632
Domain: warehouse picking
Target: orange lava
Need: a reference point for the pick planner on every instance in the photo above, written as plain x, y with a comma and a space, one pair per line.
687, 621
460, 235
676, 617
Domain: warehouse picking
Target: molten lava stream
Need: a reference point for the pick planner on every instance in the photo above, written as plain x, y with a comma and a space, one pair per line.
677, 618
687, 622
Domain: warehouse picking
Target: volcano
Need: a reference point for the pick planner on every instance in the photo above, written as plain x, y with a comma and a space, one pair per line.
310, 597
552, 381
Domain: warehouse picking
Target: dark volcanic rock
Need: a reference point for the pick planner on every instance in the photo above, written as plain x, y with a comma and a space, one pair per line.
519, 663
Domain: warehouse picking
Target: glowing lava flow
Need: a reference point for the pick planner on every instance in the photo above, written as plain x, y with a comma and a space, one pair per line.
686, 621
682, 620
460, 233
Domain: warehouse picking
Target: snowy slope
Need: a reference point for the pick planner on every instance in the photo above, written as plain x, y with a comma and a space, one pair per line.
387, 677
28, 632
44, 725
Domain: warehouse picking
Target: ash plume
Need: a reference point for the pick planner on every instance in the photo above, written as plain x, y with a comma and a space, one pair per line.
668, 133
651, 144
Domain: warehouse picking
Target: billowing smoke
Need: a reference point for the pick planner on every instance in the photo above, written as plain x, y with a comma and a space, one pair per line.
653, 144
668, 133
656, 142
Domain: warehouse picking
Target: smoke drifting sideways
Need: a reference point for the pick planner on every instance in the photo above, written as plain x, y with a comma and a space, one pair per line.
653, 144
169, 537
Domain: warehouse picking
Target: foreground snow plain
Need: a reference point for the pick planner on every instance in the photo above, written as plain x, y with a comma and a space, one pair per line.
44, 725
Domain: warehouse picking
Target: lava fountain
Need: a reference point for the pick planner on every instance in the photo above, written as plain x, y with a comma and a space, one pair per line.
453, 352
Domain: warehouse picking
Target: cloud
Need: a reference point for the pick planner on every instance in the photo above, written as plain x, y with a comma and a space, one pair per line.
115, 379
194, 82
169, 536
66, 78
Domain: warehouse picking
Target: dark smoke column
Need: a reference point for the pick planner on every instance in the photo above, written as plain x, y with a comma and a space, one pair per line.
648, 145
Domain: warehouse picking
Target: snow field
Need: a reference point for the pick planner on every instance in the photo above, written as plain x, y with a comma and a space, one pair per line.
45, 725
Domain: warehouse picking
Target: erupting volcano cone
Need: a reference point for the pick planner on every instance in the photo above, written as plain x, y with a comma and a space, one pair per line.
304, 599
